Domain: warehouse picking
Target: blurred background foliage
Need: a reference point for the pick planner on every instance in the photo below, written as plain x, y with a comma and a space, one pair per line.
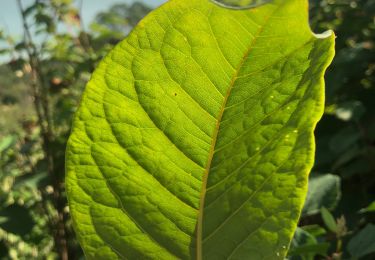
40, 88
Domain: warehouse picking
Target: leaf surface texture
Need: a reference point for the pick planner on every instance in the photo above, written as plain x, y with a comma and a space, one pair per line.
194, 137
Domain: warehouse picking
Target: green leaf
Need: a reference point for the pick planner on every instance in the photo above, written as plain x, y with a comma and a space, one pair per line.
194, 137
369, 208
4, 51
314, 230
344, 140
37, 6
363, 243
16, 219
324, 191
31, 180
305, 246
328, 219
6, 142
21, 46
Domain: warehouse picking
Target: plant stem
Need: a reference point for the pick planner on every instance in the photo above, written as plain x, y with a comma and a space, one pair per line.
40, 92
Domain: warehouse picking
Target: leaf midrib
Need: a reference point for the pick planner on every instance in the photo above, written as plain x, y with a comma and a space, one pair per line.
216, 132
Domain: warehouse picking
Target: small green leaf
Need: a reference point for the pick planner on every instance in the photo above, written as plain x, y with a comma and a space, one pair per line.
328, 219
314, 230
306, 246
194, 137
363, 243
6, 142
369, 208
324, 191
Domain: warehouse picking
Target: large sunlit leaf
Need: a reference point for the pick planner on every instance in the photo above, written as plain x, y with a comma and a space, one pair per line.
194, 137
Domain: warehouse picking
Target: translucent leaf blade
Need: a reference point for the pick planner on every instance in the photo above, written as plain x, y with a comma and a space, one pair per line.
194, 137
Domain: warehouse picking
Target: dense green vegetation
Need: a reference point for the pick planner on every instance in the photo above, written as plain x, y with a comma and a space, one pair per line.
40, 89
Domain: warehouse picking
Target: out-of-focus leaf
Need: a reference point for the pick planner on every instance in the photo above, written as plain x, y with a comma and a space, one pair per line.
3, 250
4, 51
328, 219
30, 9
363, 243
6, 142
31, 180
347, 156
3, 219
305, 246
369, 208
356, 166
309, 251
20, 46
314, 230
350, 110
17, 64
44, 19
16, 220
324, 191
345, 138
324, 155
